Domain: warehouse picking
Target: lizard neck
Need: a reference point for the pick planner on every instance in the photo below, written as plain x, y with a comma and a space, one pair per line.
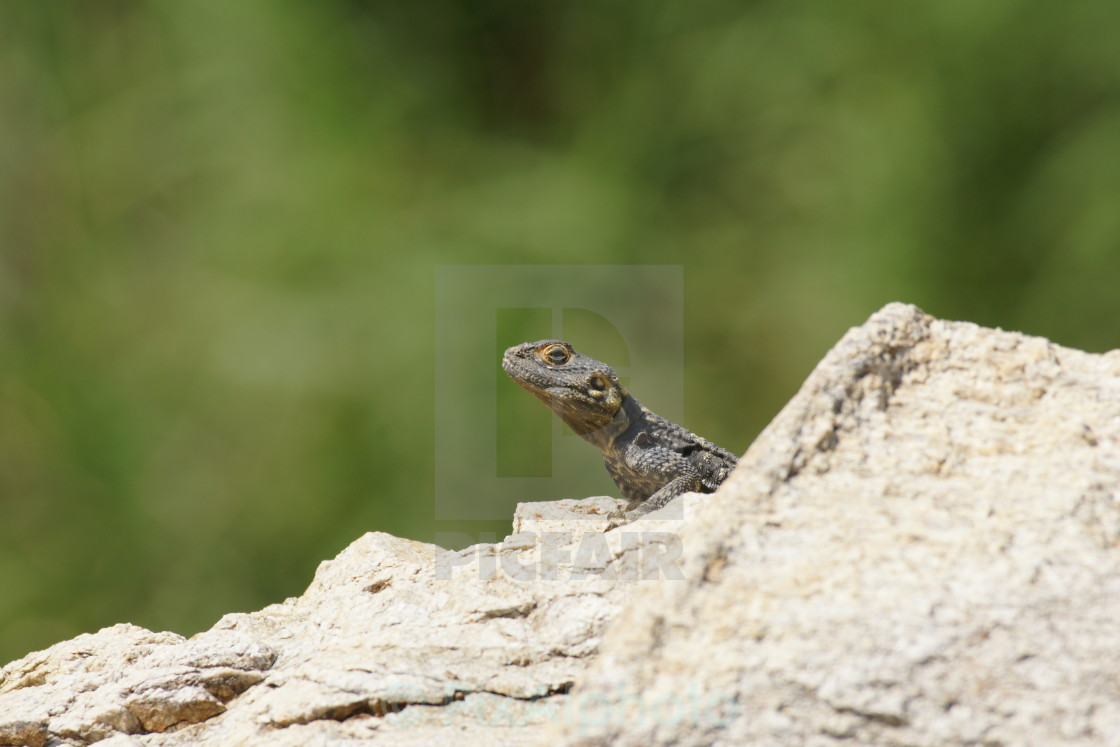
603, 438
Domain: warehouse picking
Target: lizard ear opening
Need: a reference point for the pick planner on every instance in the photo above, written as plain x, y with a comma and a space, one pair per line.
597, 385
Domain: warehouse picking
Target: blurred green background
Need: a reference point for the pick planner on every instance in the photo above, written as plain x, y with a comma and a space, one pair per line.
219, 225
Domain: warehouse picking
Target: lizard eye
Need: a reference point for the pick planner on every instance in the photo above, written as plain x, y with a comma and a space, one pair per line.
556, 354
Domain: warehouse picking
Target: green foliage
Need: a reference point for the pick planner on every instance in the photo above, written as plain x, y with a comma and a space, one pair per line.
219, 223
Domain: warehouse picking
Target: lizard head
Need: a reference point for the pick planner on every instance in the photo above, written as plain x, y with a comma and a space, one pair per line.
583, 392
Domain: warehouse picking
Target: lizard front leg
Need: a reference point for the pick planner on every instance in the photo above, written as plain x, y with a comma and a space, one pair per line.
678, 486
659, 466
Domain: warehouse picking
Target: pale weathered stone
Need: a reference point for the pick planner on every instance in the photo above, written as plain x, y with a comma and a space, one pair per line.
921, 549
394, 640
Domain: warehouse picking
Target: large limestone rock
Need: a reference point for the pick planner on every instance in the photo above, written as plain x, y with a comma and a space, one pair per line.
922, 548
394, 642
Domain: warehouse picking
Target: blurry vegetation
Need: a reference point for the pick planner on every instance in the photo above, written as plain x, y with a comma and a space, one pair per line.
219, 223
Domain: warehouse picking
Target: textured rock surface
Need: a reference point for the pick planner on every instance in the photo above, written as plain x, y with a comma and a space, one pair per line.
922, 548
394, 641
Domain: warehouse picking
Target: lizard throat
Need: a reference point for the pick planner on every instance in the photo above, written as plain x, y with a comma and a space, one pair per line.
597, 427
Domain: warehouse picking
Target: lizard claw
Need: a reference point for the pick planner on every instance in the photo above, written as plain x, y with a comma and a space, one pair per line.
617, 519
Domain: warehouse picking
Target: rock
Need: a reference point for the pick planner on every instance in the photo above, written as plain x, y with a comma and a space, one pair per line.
394, 641
127, 680
921, 549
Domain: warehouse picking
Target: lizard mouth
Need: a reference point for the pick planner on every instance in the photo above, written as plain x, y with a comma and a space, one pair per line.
519, 375
509, 367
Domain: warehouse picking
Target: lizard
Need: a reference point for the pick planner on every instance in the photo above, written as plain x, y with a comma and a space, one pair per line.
650, 459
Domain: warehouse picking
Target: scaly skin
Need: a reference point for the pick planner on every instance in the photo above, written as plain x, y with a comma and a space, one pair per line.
650, 459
